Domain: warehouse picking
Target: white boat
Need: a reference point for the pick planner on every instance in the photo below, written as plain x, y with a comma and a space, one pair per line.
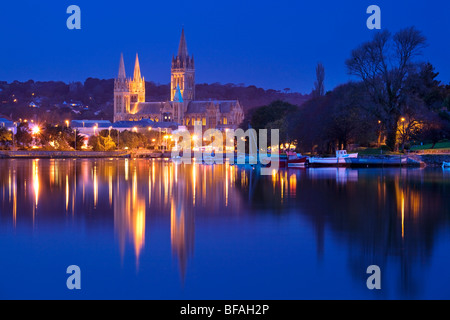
341, 156
446, 164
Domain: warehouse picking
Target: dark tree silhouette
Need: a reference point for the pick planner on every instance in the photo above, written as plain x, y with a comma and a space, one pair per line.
319, 87
384, 64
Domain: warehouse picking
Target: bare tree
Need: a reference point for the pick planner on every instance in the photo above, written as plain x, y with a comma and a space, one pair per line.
384, 65
319, 88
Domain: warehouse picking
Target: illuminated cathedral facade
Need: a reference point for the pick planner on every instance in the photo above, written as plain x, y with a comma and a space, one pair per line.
130, 105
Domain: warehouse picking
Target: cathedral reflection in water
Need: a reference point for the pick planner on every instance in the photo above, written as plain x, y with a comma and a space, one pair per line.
388, 216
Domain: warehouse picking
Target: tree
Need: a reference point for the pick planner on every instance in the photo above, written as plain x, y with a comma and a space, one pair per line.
23, 135
319, 87
349, 120
384, 64
55, 137
100, 143
76, 136
5, 136
262, 116
331, 122
273, 116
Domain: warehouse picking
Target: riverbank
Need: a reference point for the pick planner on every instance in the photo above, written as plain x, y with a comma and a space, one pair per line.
414, 159
35, 154
434, 160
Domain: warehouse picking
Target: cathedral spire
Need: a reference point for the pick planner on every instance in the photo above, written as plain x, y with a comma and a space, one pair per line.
182, 47
122, 75
137, 69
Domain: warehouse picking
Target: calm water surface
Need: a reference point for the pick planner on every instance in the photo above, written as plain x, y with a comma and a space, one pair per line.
151, 229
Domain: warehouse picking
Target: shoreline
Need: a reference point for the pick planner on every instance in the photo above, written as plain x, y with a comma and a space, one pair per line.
414, 160
62, 154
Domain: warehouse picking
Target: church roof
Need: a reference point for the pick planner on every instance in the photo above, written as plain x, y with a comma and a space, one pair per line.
144, 123
193, 107
148, 107
90, 123
225, 106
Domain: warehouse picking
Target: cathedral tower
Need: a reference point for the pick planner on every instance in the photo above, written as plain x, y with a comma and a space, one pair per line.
137, 85
183, 72
121, 92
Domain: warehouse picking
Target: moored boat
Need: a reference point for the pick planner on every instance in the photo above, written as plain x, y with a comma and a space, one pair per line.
293, 160
378, 162
446, 164
342, 157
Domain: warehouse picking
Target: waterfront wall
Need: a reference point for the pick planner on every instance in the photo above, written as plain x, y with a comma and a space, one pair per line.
63, 154
435, 159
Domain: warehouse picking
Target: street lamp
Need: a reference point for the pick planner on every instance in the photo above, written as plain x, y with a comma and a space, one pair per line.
67, 123
379, 133
165, 141
404, 132
14, 143
118, 138
35, 130
95, 129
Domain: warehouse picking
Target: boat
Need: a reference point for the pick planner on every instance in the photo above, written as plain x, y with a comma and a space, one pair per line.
378, 162
342, 157
293, 160
446, 164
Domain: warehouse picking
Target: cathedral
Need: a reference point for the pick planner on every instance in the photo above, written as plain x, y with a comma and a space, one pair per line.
130, 104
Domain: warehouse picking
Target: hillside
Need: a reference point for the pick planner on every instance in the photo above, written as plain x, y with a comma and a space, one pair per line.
56, 101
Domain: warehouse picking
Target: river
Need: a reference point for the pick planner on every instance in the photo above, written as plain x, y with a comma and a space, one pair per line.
153, 229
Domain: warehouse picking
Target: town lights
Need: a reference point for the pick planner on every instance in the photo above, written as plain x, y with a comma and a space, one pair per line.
35, 130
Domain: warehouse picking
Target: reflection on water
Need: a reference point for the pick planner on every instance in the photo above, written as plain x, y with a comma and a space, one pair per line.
119, 188
386, 217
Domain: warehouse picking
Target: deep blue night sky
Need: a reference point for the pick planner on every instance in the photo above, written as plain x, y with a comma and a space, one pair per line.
270, 44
